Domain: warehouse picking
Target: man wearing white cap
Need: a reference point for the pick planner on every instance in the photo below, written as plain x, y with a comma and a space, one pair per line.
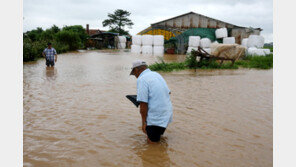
155, 103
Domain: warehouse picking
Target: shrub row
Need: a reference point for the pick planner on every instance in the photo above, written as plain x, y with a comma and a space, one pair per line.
68, 38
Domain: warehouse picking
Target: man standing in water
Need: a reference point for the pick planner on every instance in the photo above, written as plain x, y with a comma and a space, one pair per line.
50, 55
155, 103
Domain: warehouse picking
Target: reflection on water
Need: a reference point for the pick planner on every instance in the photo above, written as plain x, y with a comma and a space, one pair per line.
153, 154
77, 115
51, 72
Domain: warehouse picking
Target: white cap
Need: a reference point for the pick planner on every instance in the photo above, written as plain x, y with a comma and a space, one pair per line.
137, 63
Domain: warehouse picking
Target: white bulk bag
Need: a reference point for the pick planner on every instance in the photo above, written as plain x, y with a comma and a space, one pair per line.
255, 52
137, 40
122, 39
255, 41
251, 50
121, 45
136, 49
208, 50
259, 52
147, 49
158, 40
205, 43
158, 50
147, 40
266, 51
190, 49
193, 41
221, 33
245, 42
229, 40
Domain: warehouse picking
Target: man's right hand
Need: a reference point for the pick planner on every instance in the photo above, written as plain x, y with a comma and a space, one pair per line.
144, 128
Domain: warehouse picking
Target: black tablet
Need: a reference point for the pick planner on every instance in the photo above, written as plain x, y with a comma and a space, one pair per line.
133, 99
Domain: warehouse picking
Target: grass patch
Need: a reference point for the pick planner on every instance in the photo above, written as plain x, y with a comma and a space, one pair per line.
167, 67
258, 62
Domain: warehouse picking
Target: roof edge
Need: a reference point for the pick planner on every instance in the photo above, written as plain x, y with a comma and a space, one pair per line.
199, 15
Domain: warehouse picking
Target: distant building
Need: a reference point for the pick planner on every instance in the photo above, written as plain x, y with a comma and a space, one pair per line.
91, 32
100, 38
179, 24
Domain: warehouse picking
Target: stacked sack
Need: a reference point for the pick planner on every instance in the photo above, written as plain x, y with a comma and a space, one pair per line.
193, 43
229, 40
147, 42
245, 42
158, 42
254, 45
136, 44
121, 42
205, 43
222, 33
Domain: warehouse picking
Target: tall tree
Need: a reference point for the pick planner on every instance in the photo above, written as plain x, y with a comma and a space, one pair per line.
118, 20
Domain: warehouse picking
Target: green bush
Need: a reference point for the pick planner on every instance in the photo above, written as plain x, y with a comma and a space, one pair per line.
63, 40
32, 50
69, 38
191, 61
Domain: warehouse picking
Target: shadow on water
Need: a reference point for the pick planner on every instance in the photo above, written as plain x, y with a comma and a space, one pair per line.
153, 154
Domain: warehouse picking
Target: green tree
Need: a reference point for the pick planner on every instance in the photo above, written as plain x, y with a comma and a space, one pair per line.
118, 20
54, 29
69, 38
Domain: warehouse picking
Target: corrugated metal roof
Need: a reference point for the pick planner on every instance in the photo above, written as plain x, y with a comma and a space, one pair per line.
203, 22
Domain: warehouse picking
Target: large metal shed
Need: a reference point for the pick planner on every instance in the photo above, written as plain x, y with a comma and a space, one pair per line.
177, 25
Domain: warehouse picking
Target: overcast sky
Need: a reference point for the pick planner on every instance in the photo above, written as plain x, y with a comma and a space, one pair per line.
248, 13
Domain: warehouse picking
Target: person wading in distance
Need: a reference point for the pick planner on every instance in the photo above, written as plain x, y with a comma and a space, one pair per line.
155, 103
50, 55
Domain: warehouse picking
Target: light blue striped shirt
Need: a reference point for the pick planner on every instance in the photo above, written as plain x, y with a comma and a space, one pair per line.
152, 89
50, 54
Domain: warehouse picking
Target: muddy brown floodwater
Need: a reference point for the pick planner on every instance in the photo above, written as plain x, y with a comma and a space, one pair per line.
77, 115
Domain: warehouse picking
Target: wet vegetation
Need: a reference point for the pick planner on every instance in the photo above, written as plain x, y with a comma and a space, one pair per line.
68, 38
258, 62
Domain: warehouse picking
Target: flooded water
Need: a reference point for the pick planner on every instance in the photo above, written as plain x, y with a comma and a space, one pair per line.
77, 115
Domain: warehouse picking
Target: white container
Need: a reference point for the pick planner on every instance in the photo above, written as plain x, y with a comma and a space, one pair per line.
147, 40
266, 51
147, 49
245, 42
121, 45
190, 49
205, 43
255, 41
229, 40
137, 40
251, 50
256, 52
158, 40
122, 39
136, 49
158, 50
208, 50
194, 41
221, 33
259, 52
